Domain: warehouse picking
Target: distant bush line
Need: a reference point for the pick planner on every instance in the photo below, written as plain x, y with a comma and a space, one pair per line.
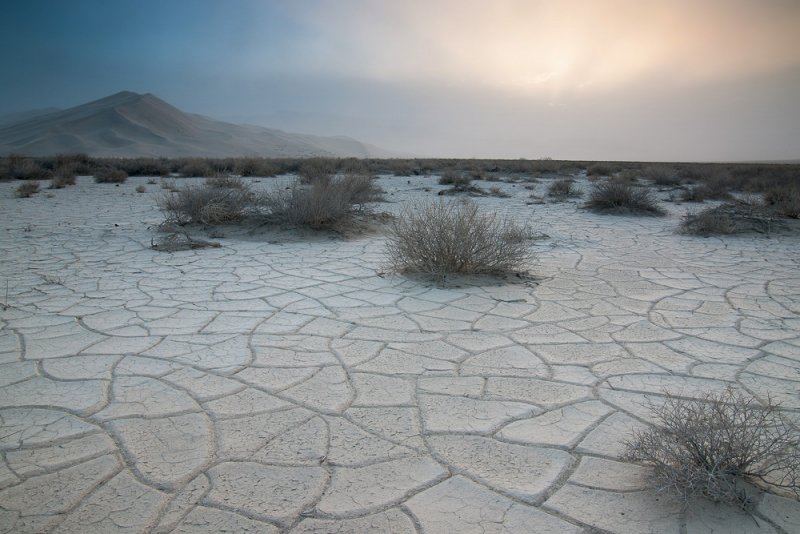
701, 180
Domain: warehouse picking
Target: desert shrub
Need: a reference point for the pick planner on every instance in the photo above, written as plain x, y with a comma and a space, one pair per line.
206, 205
63, 177
600, 169
25, 168
456, 237
323, 204
733, 217
785, 200
254, 167
711, 221
495, 191
314, 169
28, 188
716, 185
169, 185
622, 198
662, 175
455, 179
563, 188
110, 175
708, 446
197, 168
226, 182
693, 194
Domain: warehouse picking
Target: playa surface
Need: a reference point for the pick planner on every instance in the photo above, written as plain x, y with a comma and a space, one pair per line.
286, 383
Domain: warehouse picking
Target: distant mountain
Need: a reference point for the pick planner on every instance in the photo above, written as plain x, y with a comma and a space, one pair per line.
11, 118
129, 124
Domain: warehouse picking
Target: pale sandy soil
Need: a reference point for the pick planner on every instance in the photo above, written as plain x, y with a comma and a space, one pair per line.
283, 385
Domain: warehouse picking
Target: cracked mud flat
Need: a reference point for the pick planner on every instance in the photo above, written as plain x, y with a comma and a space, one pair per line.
283, 385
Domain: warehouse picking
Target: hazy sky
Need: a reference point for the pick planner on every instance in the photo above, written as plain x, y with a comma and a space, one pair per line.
575, 79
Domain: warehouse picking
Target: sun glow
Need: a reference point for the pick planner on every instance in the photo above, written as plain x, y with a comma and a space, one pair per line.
553, 48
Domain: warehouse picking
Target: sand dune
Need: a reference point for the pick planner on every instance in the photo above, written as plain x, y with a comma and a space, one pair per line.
129, 124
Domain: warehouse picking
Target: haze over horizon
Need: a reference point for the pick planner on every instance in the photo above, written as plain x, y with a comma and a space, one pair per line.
685, 80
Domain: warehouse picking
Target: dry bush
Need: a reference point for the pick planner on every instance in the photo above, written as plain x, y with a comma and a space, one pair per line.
563, 188
495, 191
455, 179
206, 205
226, 182
622, 198
110, 175
708, 446
785, 200
324, 204
711, 221
600, 169
314, 169
737, 216
63, 177
254, 167
26, 189
25, 168
693, 194
197, 168
455, 237
662, 175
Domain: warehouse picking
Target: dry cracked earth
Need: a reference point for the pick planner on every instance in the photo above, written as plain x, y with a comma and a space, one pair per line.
288, 385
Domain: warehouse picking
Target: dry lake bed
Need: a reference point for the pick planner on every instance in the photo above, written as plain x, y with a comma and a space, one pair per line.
287, 383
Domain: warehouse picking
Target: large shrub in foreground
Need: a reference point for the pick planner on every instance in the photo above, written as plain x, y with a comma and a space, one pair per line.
456, 237
707, 447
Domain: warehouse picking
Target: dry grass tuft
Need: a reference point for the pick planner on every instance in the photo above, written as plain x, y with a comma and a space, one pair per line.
622, 199
709, 446
455, 237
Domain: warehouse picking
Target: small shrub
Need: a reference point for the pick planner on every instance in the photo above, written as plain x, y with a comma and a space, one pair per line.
140, 189
495, 191
707, 447
694, 194
455, 237
621, 198
170, 185
63, 177
197, 168
785, 200
226, 182
455, 179
110, 175
206, 205
315, 169
662, 175
254, 167
28, 188
563, 188
711, 221
324, 204
599, 169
